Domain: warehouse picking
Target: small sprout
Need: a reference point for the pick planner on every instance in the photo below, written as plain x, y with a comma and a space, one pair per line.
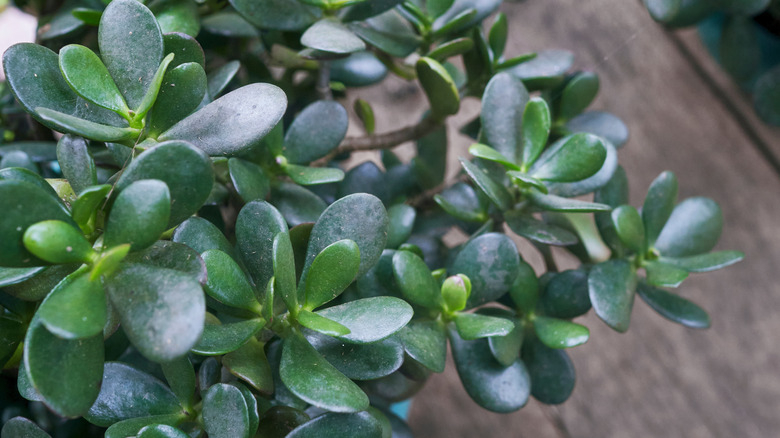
455, 291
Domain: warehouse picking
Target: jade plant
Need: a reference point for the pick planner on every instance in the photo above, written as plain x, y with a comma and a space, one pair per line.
190, 256
743, 35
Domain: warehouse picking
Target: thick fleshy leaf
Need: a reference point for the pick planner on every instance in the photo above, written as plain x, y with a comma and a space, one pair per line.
186, 171
75, 308
181, 378
330, 35
201, 235
209, 374
493, 386
20, 427
425, 342
58, 242
334, 268
544, 71
573, 158
659, 204
365, 178
219, 339
221, 77
28, 176
566, 295
538, 231
491, 262
629, 227
495, 191
171, 255
139, 216
227, 283
663, 275
161, 310
506, 349
360, 361
360, 69
161, 431
249, 179
284, 271
535, 129
401, 217
12, 276
225, 412
181, 91
68, 124
389, 32
559, 203
602, 124
129, 393
277, 14
430, 164
488, 153
474, 326
316, 131
131, 46
297, 204
462, 202
674, 307
76, 162
414, 279
250, 365
24, 204
256, 226
229, 24
370, 319
87, 203
693, 228
72, 386
309, 376
278, 421
308, 176
559, 333
334, 425
739, 49
552, 373
90, 79
612, 287
440, 89
178, 16
577, 94
133, 426
234, 122
18, 159
359, 217
705, 262
185, 49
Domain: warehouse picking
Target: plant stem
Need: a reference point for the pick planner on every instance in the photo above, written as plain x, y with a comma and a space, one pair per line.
323, 81
549, 260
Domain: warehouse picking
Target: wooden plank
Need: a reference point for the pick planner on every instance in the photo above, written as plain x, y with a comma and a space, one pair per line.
658, 379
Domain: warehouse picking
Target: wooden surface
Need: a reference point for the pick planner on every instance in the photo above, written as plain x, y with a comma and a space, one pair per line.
659, 379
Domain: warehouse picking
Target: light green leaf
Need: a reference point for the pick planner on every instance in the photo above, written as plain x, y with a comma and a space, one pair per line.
90, 79
334, 268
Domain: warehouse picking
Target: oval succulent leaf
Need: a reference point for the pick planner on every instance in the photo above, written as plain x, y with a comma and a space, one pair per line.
370, 319
559, 333
23, 428
316, 131
90, 79
226, 281
630, 228
535, 130
693, 228
503, 104
219, 339
551, 371
474, 326
487, 153
538, 231
659, 204
257, 225
559, 203
161, 431
674, 307
439, 87
414, 279
663, 275
249, 179
491, 262
357, 425
284, 271
57, 242
75, 308
139, 216
577, 94
76, 163
426, 342
69, 124
573, 158
321, 324
225, 412
309, 176
330, 35
705, 262
495, 191
612, 287
181, 91
600, 123
202, 235
334, 268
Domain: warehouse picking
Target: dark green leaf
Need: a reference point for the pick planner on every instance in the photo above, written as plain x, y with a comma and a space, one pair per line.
161, 310
491, 262
201, 235
493, 386
20, 427
161, 431
558, 203
430, 164
360, 361
221, 77
370, 319
18, 159
525, 225
334, 268
488, 153
401, 217
58, 242
172, 255
256, 226
705, 262
229, 24
87, 203
495, 191
693, 228
365, 113
133, 426
90, 79
612, 286
630, 228
503, 103
559, 333
185, 49
128, 393
415, 280
284, 271
250, 364
602, 124
566, 295
178, 16
474, 326
227, 283
225, 412
572, 158
577, 94
333, 425
451, 48
297, 204
307, 176
75, 308
389, 32
139, 216
661, 274
278, 421
277, 14
28, 176
234, 122
309, 376
11, 334
674, 307
659, 204
546, 70
426, 342
180, 376
12, 276
68, 124
181, 91
219, 339
440, 89
249, 179
316, 131
76, 162
184, 169
506, 349
498, 35
552, 373
330, 35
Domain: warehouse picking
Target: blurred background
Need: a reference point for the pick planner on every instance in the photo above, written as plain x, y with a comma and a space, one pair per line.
684, 115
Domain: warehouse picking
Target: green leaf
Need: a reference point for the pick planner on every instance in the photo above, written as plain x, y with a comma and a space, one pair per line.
552, 373
415, 280
250, 365
572, 158
139, 215
401, 218
219, 339
360, 361
370, 319
704, 262
451, 48
20, 427
315, 132
154, 89
359, 217
284, 271
18, 159
257, 225
75, 125
221, 77
612, 286
333, 425
28, 176
178, 16
474, 326
390, 32
330, 35
131, 45
493, 386
109, 260
577, 94
525, 288
566, 295
545, 71
602, 124
12, 276
76, 162
495, 191
201, 235
659, 204
24, 204
186, 171
229, 24
72, 386
209, 373
129, 393
180, 376
161, 431
90, 79
614, 194
693, 228
233, 123
661, 274
75, 308
88, 202
171, 255
278, 421
558, 203
430, 164
559, 333
11, 334
185, 49
440, 89
498, 35
297, 204
321, 324
161, 310
674, 307
535, 129
277, 14
334, 268
491, 262
307, 176
425, 342
365, 114
249, 179
488, 153
132, 426
182, 89
57, 242
225, 412
630, 228
740, 48
538, 231
227, 283
309, 376
506, 349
